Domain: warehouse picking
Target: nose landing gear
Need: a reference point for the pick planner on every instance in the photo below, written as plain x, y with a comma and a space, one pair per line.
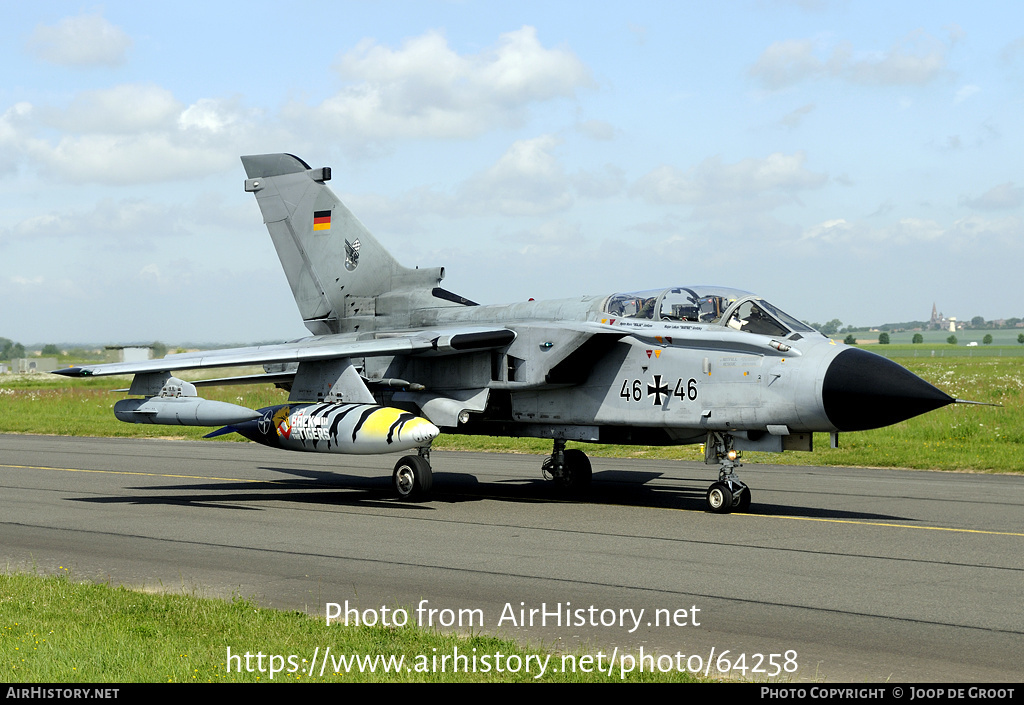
729, 494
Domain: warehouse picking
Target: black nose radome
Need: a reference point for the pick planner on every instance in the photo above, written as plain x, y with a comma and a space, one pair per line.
863, 390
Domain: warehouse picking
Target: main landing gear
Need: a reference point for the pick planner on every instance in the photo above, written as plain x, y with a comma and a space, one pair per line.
728, 494
571, 472
569, 469
413, 477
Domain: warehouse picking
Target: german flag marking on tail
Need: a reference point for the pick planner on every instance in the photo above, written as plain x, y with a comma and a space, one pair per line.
321, 220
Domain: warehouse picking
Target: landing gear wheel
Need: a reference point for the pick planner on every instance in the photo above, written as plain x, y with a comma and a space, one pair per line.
741, 500
412, 478
719, 498
568, 469
577, 473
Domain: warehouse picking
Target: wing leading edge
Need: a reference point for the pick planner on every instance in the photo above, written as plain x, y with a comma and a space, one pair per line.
311, 350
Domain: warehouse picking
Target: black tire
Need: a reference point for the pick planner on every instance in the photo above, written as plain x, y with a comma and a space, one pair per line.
578, 473
719, 499
412, 478
741, 501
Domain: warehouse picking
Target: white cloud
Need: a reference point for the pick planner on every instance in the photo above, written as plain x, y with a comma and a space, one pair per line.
426, 89
1002, 196
913, 230
1003, 235
638, 32
914, 60
13, 124
133, 133
734, 203
835, 230
209, 115
178, 277
128, 159
129, 223
597, 130
793, 118
608, 182
787, 62
713, 182
550, 239
121, 220
969, 233
1011, 57
15, 121
126, 134
121, 109
527, 180
28, 281
85, 40
150, 270
965, 92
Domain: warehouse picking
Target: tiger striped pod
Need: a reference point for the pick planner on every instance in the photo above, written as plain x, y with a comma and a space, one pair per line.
362, 429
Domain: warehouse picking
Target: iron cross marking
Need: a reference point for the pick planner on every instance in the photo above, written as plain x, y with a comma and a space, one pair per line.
657, 390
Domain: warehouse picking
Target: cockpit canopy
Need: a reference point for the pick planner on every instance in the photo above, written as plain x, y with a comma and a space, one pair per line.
706, 304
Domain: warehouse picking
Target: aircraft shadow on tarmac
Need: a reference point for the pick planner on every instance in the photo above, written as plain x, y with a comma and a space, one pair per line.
314, 487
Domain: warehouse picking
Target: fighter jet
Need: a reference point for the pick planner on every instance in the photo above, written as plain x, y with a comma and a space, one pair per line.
394, 360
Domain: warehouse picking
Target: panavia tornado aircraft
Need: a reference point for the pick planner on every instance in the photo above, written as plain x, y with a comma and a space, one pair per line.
395, 359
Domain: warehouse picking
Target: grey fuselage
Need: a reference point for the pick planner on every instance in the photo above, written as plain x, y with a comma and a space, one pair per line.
575, 371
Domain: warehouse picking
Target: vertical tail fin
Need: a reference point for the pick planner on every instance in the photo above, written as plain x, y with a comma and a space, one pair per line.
335, 267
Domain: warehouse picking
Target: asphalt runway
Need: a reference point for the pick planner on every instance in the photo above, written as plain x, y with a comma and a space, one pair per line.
859, 574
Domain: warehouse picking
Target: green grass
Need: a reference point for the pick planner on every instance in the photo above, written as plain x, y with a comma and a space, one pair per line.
56, 630
940, 351
54, 405
957, 437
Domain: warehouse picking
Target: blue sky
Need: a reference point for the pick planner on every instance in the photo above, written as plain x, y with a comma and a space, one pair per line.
845, 160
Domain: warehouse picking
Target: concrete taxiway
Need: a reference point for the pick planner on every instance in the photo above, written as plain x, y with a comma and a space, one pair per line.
859, 574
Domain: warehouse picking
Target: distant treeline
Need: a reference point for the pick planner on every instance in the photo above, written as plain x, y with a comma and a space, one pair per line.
10, 350
976, 323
